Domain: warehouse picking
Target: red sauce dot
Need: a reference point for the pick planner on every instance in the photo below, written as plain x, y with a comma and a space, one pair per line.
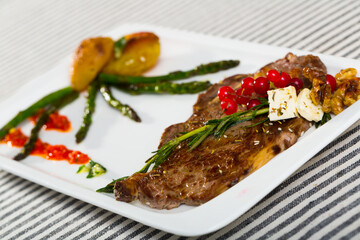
57, 152
56, 121
16, 138
76, 157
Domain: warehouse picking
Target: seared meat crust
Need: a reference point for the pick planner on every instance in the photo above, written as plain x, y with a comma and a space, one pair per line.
195, 177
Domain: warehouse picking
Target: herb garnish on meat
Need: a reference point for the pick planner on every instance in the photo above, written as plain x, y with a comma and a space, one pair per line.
215, 127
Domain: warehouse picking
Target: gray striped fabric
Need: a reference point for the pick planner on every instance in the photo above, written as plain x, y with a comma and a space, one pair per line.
320, 201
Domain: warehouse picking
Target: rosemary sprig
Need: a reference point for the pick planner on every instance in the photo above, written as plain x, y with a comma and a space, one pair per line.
215, 127
324, 120
110, 187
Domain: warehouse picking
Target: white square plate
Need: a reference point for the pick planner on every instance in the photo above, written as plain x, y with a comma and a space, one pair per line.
122, 145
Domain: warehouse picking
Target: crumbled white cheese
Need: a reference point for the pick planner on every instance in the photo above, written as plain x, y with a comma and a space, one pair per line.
282, 103
306, 108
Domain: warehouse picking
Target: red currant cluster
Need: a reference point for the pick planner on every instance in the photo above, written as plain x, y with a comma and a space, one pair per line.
230, 98
283, 79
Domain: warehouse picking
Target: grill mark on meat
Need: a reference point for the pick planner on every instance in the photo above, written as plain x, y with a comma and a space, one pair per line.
196, 177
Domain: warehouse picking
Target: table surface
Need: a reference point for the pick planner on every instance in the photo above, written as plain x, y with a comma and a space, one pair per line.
320, 201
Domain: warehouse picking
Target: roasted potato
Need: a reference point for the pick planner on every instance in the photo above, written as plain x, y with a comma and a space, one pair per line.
89, 58
141, 53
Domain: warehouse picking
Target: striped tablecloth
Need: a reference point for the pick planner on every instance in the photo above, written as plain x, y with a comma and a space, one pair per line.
320, 201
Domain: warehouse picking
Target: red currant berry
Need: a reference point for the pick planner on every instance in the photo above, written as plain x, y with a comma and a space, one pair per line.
263, 96
331, 81
248, 85
252, 103
226, 92
261, 85
283, 81
229, 106
243, 92
273, 75
242, 100
297, 83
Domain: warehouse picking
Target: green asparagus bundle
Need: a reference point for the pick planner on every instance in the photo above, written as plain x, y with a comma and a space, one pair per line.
140, 84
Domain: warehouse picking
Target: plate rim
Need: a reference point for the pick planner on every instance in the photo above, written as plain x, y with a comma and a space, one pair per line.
198, 225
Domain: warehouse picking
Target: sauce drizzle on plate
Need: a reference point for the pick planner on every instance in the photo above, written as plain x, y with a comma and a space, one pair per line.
56, 122
16, 138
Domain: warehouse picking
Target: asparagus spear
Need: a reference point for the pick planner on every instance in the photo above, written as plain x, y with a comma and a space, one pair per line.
89, 110
199, 70
167, 87
215, 127
33, 109
125, 109
44, 117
